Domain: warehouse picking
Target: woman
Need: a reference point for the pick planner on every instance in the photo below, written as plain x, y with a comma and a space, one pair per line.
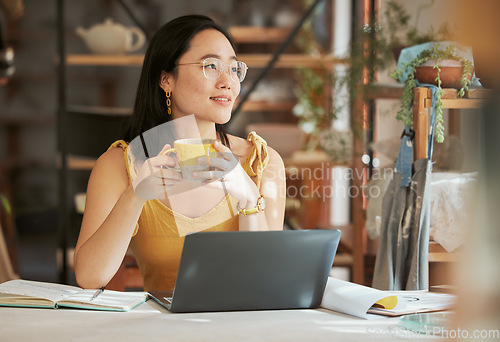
181, 76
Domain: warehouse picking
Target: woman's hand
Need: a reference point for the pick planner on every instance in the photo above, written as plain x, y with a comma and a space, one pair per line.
227, 174
156, 176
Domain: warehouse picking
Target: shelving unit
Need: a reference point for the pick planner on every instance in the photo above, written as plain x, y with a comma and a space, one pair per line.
287, 61
241, 35
423, 101
475, 98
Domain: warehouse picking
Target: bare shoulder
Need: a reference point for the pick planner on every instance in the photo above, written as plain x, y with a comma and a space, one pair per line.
275, 159
110, 167
113, 158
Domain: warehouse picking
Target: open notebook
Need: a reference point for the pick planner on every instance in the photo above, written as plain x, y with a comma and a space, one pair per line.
26, 293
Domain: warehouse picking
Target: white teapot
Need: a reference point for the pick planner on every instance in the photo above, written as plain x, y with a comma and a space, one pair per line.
111, 38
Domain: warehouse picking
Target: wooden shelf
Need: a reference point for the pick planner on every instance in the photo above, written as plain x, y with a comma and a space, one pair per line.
79, 162
26, 120
117, 111
105, 60
253, 60
266, 106
10, 163
438, 254
423, 101
253, 34
473, 99
23, 35
289, 60
305, 159
249, 106
384, 91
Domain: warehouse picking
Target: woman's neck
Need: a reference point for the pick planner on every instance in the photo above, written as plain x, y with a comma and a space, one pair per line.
207, 130
190, 127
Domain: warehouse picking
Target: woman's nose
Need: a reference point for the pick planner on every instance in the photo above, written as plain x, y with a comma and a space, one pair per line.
225, 79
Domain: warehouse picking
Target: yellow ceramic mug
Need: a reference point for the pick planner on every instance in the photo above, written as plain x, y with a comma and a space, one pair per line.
188, 151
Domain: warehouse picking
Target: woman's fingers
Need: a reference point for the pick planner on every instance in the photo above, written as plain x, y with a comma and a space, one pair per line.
209, 176
161, 162
219, 163
168, 173
165, 148
224, 151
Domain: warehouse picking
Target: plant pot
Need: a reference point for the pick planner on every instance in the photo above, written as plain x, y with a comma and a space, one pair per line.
451, 73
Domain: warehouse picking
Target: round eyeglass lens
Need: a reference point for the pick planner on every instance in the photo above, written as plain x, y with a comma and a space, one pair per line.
238, 70
212, 68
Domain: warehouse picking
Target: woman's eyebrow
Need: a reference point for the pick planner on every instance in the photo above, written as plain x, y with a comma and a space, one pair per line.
211, 55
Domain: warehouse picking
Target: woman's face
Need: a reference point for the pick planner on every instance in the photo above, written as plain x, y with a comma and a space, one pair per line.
192, 93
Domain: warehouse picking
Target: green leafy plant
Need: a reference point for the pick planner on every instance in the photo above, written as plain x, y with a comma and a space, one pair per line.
435, 53
313, 109
376, 45
372, 50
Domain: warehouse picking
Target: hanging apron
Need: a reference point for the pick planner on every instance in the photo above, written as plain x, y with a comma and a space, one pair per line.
402, 257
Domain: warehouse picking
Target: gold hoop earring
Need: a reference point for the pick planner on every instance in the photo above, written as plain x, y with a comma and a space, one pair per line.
169, 103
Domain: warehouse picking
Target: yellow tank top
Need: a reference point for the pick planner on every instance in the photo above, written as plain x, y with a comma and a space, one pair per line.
156, 242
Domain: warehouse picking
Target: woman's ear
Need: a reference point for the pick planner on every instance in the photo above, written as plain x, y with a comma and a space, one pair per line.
165, 81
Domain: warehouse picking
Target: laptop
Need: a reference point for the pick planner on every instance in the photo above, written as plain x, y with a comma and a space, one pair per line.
236, 271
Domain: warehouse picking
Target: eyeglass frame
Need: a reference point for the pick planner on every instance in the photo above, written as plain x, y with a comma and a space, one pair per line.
222, 69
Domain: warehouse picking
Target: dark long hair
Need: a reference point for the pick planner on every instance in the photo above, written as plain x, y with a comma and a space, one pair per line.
168, 44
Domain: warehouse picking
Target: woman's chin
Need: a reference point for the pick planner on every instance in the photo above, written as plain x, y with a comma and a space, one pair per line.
223, 119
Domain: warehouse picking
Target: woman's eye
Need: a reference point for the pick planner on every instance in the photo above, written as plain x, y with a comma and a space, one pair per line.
211, 66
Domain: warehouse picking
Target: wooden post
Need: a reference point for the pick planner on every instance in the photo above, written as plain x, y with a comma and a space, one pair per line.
358, 212
420, 122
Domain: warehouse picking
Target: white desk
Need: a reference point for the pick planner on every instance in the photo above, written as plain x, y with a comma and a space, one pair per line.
150, 322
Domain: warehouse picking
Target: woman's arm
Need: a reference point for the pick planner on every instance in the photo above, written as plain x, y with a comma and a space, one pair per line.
273, 188
111, 213
112, 210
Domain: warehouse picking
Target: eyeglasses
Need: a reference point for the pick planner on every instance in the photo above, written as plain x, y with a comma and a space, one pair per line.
213, 68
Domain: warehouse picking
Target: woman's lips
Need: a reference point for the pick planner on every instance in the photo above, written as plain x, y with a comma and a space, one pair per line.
221, 100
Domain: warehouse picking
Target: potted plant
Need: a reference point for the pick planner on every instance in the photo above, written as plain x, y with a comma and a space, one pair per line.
439, 66
377, 45
393, 31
